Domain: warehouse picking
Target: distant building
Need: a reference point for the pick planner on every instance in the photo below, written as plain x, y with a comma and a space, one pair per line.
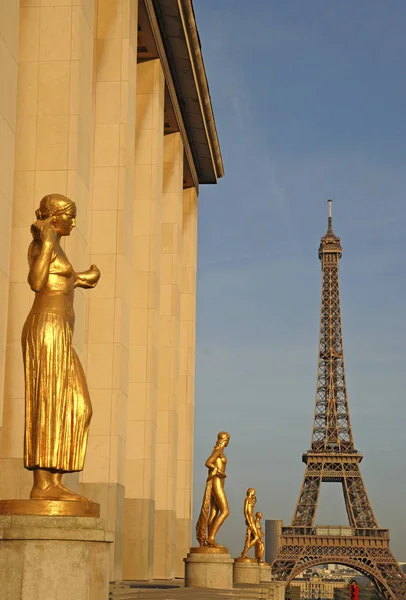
292, 593
316, 586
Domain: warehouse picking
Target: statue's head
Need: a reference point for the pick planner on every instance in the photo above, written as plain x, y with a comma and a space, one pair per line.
61, 208
258, 515
223, 438
251, 492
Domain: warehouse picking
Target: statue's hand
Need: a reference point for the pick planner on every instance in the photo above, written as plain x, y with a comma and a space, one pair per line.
212, 473
47, 230
96, 272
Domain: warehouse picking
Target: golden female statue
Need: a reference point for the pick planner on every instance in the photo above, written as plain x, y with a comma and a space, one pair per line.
214, 509
57, 402
252, 537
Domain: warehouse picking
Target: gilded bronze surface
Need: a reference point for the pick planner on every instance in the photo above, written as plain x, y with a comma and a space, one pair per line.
65, 508
57, 403
209, 550
253, 537
259, 546
214, 509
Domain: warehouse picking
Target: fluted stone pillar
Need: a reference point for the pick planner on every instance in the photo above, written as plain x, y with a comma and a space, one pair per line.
184, 481
52, 154
9, 26
168, 357
103, 478
144, 324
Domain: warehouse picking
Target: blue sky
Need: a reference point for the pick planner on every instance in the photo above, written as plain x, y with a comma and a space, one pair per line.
309, 99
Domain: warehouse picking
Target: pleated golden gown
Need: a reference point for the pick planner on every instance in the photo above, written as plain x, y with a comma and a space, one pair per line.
57, 403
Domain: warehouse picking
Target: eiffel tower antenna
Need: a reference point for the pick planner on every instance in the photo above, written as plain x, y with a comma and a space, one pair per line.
332, 457
330, 216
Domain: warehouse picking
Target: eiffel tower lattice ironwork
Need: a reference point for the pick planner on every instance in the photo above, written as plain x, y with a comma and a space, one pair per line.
333, 458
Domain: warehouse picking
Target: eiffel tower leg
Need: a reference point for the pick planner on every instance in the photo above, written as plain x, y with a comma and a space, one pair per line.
359, 510
390, 581
286, 561
308, 499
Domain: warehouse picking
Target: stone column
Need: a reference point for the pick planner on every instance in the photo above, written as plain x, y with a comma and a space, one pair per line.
52, 154
168, 349
9, 10
144, 324
184, 482
273, 532
110, 249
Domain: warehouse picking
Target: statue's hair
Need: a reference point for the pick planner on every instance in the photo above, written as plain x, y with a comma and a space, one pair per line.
53, 204
223, 435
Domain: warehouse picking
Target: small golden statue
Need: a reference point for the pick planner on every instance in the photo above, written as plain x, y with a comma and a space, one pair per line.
254, 534
57, 403
214, 509
259, 545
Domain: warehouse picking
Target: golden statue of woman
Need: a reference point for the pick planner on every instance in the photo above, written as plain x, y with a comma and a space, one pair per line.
57, 403
252, 536
214, 509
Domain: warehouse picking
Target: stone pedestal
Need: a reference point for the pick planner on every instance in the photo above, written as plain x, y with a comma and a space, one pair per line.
265, 573
49, 558
208, 569
275, 590
246, 571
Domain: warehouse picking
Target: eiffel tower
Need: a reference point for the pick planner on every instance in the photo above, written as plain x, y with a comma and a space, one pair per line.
333, 458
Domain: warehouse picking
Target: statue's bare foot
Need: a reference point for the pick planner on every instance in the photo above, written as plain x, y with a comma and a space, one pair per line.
68, 491
55, 492
213, 544
71, 495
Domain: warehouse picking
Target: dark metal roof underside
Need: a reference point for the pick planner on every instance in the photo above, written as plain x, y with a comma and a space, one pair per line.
198, 119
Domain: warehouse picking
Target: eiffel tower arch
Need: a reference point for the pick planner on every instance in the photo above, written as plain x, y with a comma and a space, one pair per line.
332, 457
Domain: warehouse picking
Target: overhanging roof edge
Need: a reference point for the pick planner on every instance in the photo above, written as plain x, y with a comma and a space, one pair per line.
193, 91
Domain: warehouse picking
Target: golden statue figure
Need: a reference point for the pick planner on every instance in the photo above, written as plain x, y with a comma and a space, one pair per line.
252, 536
57, 403
214, 509
259, 545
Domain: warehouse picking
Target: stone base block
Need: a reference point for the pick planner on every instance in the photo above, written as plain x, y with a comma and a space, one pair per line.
246, 571
276, 590
209, 570
53, 558
265, 573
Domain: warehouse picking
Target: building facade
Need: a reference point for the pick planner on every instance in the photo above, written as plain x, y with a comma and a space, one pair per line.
317, 587
107, 101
